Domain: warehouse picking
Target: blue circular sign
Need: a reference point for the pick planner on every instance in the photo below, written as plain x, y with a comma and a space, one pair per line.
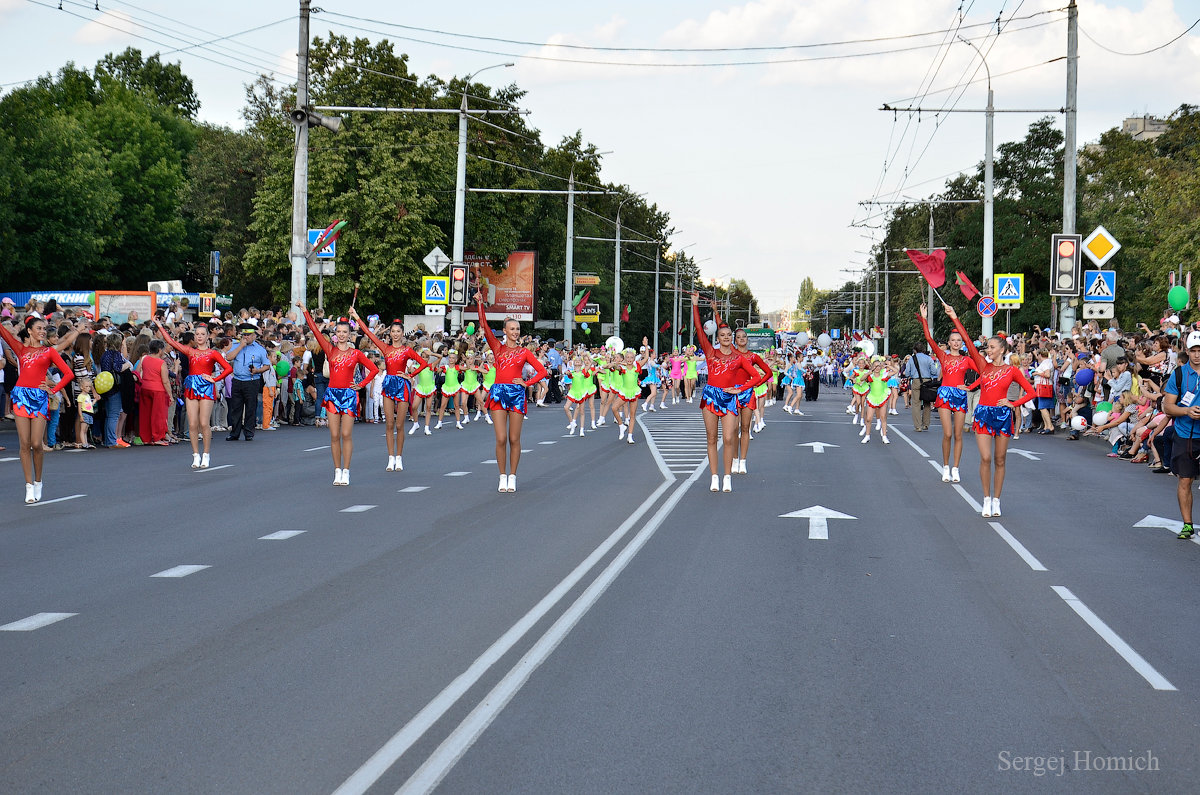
987, 306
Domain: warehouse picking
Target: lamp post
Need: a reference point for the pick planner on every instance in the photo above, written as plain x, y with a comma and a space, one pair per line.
617, 269
460, 185
990, 117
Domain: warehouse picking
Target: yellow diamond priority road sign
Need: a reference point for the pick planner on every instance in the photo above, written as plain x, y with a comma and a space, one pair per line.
1100, 246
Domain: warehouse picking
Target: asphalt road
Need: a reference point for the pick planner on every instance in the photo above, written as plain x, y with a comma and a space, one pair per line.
611, 627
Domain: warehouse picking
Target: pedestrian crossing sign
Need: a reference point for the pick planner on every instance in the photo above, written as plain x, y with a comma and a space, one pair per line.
1100, 286
435, 290
1008, 288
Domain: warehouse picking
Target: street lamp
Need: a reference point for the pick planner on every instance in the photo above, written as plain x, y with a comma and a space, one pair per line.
460, 184
990, 116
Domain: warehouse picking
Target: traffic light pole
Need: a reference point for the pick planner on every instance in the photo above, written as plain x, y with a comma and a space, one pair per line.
1069, 152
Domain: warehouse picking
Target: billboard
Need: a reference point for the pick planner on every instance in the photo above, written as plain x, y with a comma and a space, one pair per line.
118, 306
511, 292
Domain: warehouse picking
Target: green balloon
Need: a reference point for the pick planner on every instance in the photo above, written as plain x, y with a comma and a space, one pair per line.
1105, 406
92, 299
587, 331
282, 368
470, 329
1177, 297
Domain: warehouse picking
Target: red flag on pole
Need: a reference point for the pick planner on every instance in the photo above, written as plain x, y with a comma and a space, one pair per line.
964, 284
625, 313
582, 301
664, 327
932, 266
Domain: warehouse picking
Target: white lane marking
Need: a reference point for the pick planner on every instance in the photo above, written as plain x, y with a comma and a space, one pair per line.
59, 499
281, 535
412, 489
315, 449
547, 442
457, 474
818, 517
1026, 454
181, 571
214, 469
1174, 525
817, 447
489, 461
35, 621
1018, 547
1138, 663
358, 509
382, 760
527, 451
427, 776
912, 444
15, 458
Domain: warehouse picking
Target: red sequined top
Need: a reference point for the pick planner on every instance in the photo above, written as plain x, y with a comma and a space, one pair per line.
510, 361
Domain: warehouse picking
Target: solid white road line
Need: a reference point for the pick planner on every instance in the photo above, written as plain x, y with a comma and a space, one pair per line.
14, 458
181, 571
281, 535
314, 449
1139, 664
35, 621
214, 469
59, 499
431, 772
966, 495
1018, 547
554, 442
457, 474
913, 445
489, 461
412, 489
357, 509
382, 760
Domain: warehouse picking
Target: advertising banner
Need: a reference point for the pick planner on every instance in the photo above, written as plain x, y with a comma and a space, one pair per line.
118, 306
511, 292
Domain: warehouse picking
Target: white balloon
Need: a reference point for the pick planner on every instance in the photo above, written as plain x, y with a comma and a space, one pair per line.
824, 340
1100, 418
802, 339
709, 327
868, 347
1078, 423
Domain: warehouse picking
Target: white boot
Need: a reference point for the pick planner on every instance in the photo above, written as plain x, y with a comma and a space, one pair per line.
727, 484
954, 477
427, 431
995, 506
204, 461
29, 498
37, 491
391, 464
487, 418
581, 431
621, 435
413, 429
945, 474
345, 477
866, 439
629, 439
571, 427
399, 464
337, 477
987, 507
716, 483
885, 439
503, 483
512, 482
195, 460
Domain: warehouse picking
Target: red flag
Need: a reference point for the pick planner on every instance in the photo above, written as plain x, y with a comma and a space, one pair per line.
932, 266
965, 285
664, 327
625, 313
582, 301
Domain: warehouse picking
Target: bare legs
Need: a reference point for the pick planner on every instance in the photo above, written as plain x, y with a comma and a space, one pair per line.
986, 458
507, 425
341, 440
30, 435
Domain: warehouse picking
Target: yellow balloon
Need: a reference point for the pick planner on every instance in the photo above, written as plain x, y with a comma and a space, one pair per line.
104, 382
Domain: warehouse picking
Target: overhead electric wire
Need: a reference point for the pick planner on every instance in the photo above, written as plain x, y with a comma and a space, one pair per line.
1143, 52
248, 48
956, 86
766, 48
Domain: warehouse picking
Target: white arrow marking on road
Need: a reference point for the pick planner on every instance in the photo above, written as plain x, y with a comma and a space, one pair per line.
1032, 456
817, 516
818, 447
1174, 525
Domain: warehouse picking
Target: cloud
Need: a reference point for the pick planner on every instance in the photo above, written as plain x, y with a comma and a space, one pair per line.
111, 26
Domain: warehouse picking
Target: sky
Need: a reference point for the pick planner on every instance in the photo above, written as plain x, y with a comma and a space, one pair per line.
762, 167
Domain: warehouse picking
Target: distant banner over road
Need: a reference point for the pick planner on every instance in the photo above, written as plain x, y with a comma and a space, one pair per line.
511, 292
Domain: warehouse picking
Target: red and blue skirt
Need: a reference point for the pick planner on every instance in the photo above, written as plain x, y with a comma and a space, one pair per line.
197, 387
507, 397
397, 388
746, 399
994, 420
951, 397
30, 402
341, 400
718, 401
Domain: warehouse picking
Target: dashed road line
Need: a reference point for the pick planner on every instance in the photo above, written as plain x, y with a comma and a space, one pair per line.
412, 489
58, 499
458, 474
1135, 660
281, 535
358, 509
35, 621
181, 571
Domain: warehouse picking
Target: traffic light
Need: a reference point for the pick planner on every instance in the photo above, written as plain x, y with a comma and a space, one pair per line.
1065, 271
458, 285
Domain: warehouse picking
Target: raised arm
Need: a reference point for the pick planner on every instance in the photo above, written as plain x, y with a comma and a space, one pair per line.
705, 343
322, 340
933, 346
14, 343
492, 342
166, 335
383, 348
972, 351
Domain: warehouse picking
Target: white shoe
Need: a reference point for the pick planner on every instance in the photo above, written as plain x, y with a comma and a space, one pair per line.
466, 419
37, 491
662, 405
599, 422
30, 500
345, 477
427, 431
893, 411
593, 425
716, 483
798, 412
788, 409
854, 420
689, 400
204, 461
884, 438
621, 435
727, 484
987, 507
488, 419
629, 439
458, 425
654, 409
945, 474
878, 424
849, 410
741, 466
413, 429
954, 475
503, 483
478, 414
391, 464
866, 439
580, 431
435, 427
995, 506
195, 460
337, 477
571, 427
399, 464
512, 482
733, 468
864, 431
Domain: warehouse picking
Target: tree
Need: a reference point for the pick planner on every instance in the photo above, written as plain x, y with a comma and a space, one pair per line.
162, 84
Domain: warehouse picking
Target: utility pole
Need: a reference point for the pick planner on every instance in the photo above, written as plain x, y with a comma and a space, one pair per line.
655, 346
460, 202
1069, 152
299, 252
887, 303
617, 279
568, 310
